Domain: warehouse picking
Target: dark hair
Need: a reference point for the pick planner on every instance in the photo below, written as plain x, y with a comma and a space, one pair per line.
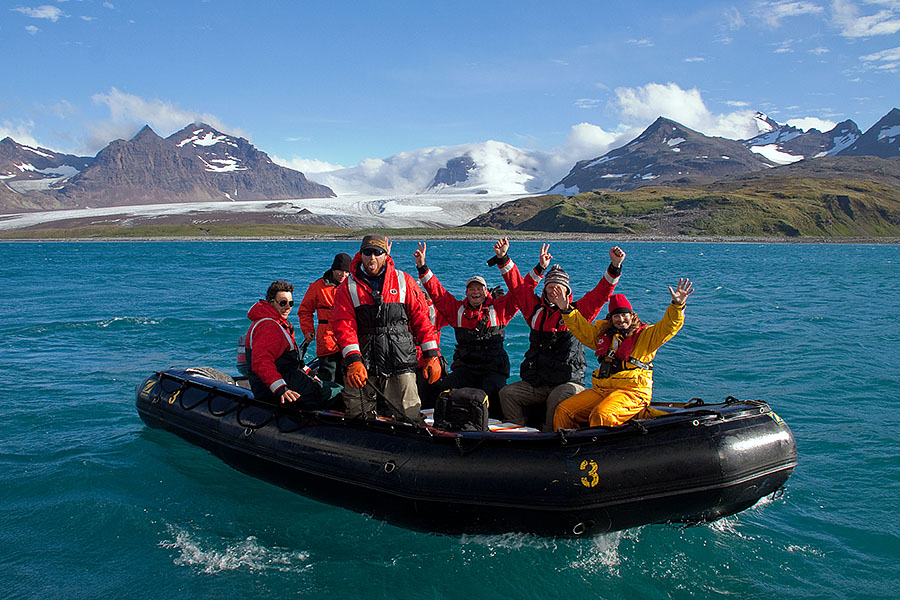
635, 323
278, 286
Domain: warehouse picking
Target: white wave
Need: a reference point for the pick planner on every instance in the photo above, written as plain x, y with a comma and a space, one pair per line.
224, 555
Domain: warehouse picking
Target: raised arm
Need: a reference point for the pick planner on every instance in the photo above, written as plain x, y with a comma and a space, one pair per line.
590, 304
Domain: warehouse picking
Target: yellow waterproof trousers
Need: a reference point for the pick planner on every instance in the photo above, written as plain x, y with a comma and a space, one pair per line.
604, 408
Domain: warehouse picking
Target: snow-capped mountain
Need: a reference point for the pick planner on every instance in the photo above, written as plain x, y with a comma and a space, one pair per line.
882, 139
785, 144
479, 168
197, 163
666, 152
25, 168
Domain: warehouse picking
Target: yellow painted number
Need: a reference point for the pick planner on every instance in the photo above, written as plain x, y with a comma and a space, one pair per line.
174, 397
592, 479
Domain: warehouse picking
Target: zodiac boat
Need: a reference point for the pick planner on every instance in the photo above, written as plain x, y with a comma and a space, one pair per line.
695, 462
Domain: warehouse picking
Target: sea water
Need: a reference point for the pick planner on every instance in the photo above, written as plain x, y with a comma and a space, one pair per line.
93, 504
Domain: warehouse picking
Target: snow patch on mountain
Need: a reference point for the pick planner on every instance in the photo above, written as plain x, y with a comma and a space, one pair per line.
774, 153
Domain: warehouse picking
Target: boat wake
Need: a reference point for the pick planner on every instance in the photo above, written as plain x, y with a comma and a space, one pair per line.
229, 555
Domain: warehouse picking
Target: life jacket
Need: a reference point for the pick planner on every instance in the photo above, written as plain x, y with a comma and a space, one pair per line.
291, 367
554, 355
615, 351
386, 343
480, 349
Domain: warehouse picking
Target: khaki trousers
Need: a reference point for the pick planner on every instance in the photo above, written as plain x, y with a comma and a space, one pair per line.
399, 389
516, 396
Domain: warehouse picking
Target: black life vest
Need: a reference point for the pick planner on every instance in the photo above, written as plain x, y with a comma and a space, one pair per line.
480, 349
553, 357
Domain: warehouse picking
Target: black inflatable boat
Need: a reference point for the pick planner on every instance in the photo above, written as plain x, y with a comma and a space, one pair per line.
695, 462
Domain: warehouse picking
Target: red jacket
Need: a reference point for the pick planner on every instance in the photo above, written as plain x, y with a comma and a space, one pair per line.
532, 305
268, 340
384, 335
458, 313
319, 297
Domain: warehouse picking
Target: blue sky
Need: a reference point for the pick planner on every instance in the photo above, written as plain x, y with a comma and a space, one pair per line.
333, 83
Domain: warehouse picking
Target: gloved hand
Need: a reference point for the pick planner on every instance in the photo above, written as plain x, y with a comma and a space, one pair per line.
432, 370
357, 374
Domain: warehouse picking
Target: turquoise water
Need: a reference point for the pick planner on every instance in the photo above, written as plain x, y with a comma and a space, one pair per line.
95, 505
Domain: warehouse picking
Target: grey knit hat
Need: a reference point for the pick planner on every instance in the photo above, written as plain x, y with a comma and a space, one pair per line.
555, 274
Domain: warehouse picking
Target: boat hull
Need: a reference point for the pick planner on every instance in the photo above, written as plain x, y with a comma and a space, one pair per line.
697, 464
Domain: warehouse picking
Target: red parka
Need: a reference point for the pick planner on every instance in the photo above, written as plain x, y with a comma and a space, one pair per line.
319, 298
383, 334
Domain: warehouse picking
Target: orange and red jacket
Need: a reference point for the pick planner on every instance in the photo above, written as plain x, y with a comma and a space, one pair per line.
319, 300
383, 334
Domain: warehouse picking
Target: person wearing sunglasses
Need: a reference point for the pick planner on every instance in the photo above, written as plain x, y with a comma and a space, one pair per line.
379, 317
276, 369
319, 301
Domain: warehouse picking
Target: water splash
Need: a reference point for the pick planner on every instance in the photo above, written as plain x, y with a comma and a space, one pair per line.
248, 554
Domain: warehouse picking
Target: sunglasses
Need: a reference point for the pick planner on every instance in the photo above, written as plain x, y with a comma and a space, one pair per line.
285, 303
372, 252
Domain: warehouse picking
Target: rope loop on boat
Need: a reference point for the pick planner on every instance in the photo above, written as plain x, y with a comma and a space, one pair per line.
462, 450
579, 529
694, 402
390, 466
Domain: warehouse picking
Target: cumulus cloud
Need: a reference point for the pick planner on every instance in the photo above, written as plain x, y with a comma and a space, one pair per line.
807, 123
852, 25
21, 132
306, 165
644, 104
128, 113
46, 11
773, 13
31, 29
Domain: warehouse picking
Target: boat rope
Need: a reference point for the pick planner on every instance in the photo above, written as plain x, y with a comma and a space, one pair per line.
462, 450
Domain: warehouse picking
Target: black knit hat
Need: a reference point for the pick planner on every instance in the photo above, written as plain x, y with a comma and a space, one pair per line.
555, 274
341, 262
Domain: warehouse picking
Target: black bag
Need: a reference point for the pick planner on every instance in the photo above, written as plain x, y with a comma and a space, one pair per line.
461, 409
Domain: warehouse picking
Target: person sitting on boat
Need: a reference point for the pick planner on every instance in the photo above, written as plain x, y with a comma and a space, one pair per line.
554, 365
479, 322
319, 301
276, 370
379, 317
625, 346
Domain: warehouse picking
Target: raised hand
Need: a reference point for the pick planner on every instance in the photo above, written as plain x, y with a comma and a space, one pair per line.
685, 289
545, 257
419, 255
501, 247
616, 256
559, 296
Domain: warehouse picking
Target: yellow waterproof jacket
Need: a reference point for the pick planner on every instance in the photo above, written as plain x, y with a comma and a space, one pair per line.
648, 342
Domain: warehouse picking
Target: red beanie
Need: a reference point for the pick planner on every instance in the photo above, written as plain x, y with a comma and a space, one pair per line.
618, 303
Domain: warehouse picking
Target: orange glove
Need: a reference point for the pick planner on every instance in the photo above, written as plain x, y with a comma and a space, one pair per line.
357, 374
432, 370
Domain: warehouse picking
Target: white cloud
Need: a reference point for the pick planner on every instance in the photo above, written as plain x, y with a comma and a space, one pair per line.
694, 59
807, 123
884, 22
734, 20
886, 60
772, 13
45, 11
642, 42
129, 112
21, 132
644, 104
819, 51
306, 165
587, 102
31, 29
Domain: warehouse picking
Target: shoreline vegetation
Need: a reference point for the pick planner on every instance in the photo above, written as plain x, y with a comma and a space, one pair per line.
307, 233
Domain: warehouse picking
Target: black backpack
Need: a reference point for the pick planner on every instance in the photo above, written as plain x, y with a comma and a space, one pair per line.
461, 409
